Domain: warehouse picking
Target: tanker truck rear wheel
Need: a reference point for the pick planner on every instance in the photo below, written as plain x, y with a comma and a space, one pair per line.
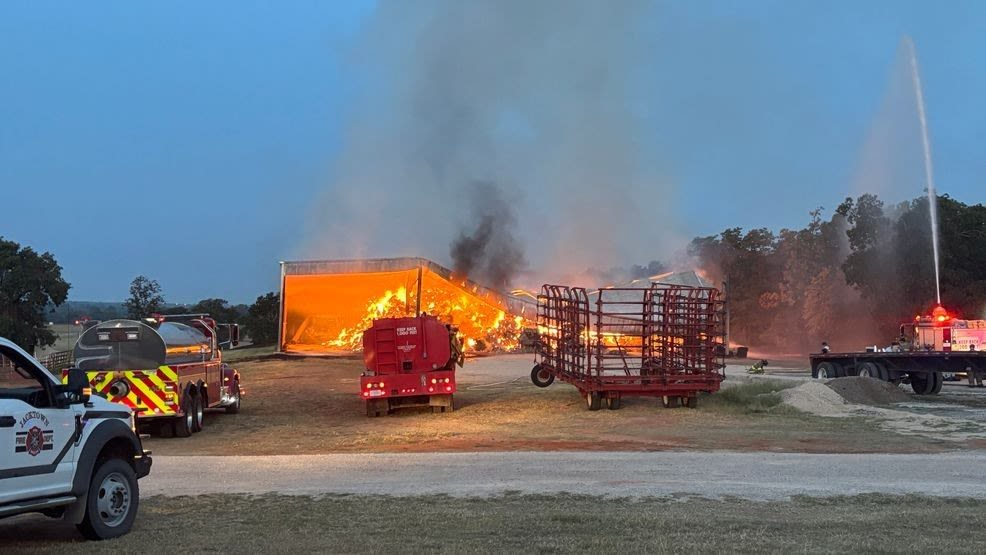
198, 412
541, 377
184, 424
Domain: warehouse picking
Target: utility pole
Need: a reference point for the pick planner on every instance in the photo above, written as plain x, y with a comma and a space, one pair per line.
725, 295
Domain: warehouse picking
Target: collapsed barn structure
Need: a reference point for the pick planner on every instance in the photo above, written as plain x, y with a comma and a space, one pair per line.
326, 304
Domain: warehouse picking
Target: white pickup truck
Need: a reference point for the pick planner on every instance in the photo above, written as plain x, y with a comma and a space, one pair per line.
63, 453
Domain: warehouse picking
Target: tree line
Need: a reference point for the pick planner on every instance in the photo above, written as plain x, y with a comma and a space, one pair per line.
33, 292
850, 278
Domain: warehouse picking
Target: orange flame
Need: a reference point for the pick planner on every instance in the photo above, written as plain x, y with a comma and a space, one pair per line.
331, 312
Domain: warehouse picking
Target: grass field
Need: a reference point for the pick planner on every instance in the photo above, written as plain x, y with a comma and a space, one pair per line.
524, 523
311, 405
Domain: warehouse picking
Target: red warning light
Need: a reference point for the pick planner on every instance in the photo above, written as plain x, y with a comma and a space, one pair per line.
940, 314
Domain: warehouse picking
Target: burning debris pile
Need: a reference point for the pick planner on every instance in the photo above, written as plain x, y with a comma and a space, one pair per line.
327, 305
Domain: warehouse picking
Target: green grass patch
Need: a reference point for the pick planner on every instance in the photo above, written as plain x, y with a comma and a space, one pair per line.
248, 353
758, 397
524, 524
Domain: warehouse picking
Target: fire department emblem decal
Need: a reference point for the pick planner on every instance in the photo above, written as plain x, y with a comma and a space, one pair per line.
35, 439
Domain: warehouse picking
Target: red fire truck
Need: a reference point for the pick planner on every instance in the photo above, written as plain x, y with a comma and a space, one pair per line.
410, 362
167, 368
927, 349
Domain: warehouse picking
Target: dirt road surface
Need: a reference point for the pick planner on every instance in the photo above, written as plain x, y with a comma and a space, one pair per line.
757, 476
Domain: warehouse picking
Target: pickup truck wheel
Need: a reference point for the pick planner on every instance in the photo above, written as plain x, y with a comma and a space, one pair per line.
111, 504
234, 407
541, 377
198, 412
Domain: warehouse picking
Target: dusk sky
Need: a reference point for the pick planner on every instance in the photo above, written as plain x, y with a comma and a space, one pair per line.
197, 143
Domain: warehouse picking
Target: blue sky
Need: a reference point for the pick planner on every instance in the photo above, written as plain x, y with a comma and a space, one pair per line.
188, 141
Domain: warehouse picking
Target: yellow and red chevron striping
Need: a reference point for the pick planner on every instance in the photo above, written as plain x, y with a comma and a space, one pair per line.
152, 392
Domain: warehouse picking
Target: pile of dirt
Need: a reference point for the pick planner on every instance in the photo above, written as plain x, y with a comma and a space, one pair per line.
815, 397
867, 391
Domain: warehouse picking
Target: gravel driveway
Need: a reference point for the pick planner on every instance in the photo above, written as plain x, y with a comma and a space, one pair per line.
758, 476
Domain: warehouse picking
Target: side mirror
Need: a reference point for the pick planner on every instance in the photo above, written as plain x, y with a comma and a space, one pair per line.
78, 383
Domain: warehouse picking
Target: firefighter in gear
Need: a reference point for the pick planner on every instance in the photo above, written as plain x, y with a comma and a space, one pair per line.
975, 378
455, 344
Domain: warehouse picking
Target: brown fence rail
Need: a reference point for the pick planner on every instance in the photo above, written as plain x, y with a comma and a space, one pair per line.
58, 360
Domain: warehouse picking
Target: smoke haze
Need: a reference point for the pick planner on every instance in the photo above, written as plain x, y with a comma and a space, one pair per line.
542, 98
490, 254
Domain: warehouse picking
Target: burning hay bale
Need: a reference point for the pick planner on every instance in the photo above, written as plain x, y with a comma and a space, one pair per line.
326, 305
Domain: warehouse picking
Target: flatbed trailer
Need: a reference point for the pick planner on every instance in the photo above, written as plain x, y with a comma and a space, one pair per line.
658, 341
922, 369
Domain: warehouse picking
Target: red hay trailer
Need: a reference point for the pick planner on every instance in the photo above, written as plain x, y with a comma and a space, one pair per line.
660, 341
410, 362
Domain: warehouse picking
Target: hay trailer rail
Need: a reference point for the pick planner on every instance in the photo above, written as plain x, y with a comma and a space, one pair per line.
659, 341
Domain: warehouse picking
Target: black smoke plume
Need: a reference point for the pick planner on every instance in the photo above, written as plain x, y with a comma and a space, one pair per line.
490, 255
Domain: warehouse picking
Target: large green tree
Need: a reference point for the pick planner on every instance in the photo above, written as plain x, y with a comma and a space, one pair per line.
219, 309
145, 298
851, 279
28, 283
262, 319
747, 262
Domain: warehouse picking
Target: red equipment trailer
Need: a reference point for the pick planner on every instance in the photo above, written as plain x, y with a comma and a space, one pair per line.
661, 341
410, 362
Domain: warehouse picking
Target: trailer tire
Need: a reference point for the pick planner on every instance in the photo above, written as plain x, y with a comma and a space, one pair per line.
614, 403
869, 370
592, 400
826, 371
884, 374
937, 381
541, 377
691, 402
921, 384
670, 401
